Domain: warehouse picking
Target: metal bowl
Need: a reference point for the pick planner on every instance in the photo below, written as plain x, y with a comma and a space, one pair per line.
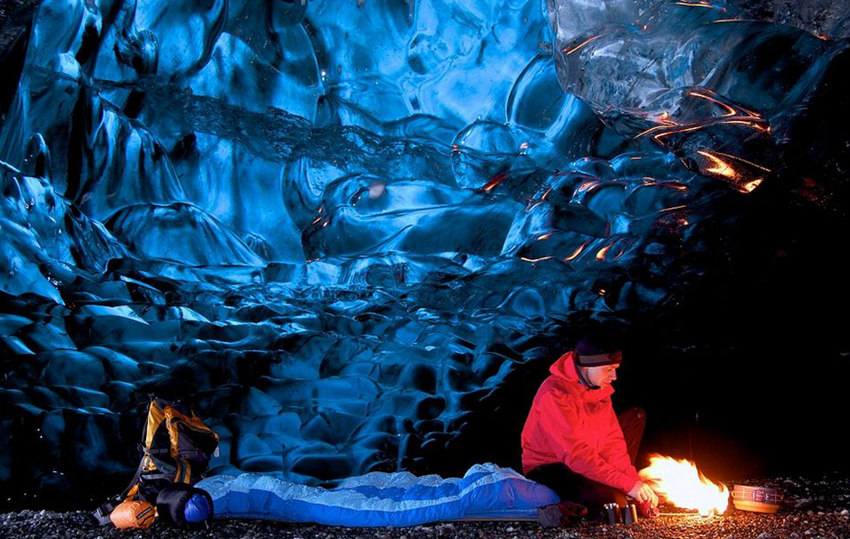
756, 499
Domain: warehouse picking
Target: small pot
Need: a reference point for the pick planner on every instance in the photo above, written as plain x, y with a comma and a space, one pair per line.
756, 499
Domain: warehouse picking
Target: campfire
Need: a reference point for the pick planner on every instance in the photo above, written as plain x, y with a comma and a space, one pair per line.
680, 483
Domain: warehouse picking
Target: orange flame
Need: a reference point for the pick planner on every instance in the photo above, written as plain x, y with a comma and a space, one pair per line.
680, 483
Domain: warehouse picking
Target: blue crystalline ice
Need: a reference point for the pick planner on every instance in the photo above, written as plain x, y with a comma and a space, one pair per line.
569, 19
185, 32
709, 91
220, 190
421, 49
364, 214
46, 239
256, 84
182, 233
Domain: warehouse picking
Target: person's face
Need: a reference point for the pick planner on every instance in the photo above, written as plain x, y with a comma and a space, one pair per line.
601, 376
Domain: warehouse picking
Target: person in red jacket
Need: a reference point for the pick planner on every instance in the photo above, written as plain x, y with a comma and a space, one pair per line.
574, 443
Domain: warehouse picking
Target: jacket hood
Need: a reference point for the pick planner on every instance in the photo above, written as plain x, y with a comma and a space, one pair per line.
565, 368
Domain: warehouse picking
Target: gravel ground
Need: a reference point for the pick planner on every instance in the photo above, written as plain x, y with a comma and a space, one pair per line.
814, 508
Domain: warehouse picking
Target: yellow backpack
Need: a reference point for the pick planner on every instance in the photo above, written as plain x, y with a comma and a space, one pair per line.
176, 449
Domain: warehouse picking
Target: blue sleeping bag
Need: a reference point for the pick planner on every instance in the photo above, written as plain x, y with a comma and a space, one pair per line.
380, 499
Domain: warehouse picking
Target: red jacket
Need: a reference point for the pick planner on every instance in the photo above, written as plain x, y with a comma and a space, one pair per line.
576, 425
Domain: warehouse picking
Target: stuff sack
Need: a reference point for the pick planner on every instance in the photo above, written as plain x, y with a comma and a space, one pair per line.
133, 514
176, 450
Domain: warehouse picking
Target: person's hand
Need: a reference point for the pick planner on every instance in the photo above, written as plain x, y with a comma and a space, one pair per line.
643, 493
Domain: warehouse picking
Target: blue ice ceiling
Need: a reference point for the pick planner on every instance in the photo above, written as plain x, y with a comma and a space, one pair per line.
342, 228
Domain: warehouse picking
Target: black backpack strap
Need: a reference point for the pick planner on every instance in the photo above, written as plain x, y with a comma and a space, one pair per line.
101, 514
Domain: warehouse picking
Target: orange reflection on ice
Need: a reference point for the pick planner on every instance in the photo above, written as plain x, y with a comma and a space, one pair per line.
582, 44
751, 185
664, 118
535, 259
587, 185
719, 166
729, 110
545, 236
695, 4
663, 131
731, 167
749, 123
736, 110
732, 115
600, 255
576, 252
495, 180
652, 182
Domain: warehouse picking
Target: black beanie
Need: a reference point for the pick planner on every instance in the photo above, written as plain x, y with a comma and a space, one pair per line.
595, 354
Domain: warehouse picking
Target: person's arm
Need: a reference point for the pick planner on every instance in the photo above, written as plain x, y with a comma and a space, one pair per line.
561, 416
616, 452
614, 449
